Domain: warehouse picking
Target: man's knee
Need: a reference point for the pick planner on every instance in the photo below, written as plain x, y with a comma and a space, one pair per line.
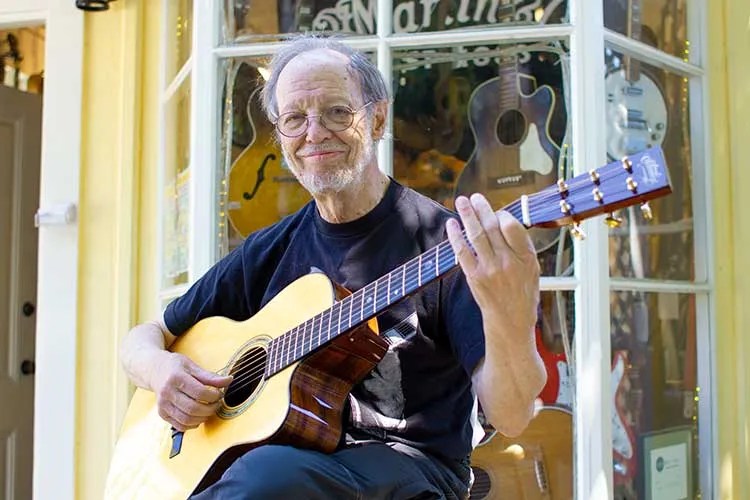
270, 471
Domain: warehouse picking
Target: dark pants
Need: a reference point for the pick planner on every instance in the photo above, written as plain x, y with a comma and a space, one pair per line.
366, 471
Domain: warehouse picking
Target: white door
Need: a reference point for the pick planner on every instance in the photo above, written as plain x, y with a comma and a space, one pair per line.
20, 153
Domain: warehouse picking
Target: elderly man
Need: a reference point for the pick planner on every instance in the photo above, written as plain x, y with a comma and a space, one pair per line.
410, 423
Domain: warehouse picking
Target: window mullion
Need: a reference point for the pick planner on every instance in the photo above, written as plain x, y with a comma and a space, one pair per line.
203, 144
593, 407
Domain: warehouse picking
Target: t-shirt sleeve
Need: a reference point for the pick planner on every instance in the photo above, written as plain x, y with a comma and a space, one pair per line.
463, 321
219, 292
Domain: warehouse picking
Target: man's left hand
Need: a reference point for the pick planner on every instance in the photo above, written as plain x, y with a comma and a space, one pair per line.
502, 270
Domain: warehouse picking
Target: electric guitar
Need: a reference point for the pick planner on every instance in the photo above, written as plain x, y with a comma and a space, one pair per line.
636, 108
538, 464
514, 154
623, 437
296, 360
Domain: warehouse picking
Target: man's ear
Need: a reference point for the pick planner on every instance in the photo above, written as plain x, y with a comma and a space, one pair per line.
380, 115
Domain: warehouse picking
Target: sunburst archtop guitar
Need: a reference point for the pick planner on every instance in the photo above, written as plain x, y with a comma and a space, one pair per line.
295, 361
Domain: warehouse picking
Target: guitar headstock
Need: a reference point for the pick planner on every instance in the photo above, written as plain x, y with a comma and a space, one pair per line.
637, 178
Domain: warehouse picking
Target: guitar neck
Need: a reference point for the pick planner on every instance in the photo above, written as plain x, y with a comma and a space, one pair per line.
635, 179
365, 303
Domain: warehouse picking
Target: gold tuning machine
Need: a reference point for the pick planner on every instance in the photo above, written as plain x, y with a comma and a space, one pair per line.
612, 220
646, 211
577, 232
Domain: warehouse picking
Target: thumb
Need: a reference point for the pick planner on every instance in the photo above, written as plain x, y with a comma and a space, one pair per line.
209, 378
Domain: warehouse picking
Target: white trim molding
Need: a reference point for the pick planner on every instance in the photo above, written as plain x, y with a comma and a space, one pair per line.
57, 295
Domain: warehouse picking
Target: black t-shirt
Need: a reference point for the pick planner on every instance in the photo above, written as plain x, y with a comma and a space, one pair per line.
420, 393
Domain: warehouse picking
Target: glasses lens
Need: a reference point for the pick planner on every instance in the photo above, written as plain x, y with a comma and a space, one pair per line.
292, 124
337, 118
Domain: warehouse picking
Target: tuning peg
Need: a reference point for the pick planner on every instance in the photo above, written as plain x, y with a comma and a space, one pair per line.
612, 220
577, 232
646, 211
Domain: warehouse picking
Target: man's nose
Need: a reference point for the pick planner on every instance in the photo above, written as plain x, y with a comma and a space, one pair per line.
316, 132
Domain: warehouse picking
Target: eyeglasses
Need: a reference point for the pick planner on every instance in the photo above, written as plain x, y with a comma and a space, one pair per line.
335, 119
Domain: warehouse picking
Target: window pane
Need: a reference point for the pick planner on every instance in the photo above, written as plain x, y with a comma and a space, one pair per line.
253, 18
539, 462
647, 107
659, 23
258, 187
176, 244
654, 395
489, 119
179, 35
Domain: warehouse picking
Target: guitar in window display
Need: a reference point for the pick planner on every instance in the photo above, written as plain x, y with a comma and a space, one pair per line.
261, 188
514, 153
637, 116
538, 464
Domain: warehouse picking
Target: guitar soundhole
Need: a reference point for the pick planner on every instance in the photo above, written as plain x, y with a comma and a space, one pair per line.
248, 374
511, 127
482, 484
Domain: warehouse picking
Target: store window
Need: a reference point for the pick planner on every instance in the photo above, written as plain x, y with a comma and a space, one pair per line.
485, 99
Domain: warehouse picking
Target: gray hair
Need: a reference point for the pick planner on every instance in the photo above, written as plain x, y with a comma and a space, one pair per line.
371, 81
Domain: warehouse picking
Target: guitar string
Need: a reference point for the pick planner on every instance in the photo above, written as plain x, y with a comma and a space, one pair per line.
410, 280
293, 334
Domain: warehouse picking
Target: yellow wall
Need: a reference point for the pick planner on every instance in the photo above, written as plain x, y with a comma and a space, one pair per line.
729, 139
117, 227
119, 144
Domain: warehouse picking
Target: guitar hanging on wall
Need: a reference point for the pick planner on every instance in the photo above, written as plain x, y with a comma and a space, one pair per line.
637, 116
296, 360
537, 464
261, 187
514, 152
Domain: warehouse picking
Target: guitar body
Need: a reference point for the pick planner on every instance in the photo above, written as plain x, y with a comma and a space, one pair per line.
301, 405
514, 154
261, 189
538, 464
637, 115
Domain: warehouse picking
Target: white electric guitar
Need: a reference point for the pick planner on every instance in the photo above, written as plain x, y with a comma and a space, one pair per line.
637, 115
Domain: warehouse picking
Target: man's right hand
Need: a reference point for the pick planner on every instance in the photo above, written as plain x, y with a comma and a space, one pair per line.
186, 394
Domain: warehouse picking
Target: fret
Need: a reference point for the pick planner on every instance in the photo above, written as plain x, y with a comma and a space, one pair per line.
351, 306
375, 298
419, 271
338, 323
437, 260
330, 323
403, 280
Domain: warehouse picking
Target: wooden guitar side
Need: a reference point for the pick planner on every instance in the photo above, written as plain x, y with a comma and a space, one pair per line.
300, 405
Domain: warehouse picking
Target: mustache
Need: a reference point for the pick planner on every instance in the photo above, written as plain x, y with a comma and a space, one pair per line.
321, 148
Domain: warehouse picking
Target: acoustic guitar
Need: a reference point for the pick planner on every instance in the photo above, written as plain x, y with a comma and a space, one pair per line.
514, 153
296, 360
538, 464
261, 188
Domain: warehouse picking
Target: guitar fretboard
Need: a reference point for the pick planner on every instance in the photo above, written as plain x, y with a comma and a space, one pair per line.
364, 304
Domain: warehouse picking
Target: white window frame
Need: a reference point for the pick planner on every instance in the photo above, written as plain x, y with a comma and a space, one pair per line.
591, 283
55, 396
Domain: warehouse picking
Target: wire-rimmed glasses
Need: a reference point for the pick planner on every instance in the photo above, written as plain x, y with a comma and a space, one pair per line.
334, 118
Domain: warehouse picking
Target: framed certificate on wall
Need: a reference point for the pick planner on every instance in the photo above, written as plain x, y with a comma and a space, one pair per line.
667, 464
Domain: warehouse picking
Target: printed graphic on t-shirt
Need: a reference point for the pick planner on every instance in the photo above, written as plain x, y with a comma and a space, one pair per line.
384, 384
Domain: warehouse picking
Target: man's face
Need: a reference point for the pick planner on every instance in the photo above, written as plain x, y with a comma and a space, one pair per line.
322, 160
